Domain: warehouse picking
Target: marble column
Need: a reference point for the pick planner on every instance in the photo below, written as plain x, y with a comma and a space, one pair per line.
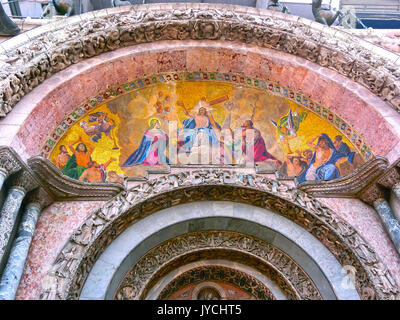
11, 208
390, 222
19, 251
8, 215
3, 176
9, 164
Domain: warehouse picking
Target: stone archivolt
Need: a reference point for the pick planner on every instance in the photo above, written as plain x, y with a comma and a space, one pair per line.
291, 278
29, 59
247, 283
69, 271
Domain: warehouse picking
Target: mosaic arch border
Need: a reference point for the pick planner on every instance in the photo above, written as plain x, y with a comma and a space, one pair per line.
373, 279
32, 57
234, 78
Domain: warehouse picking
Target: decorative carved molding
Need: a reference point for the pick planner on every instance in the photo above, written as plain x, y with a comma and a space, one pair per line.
379, 188
9, 163
65, 188
103, 226
373, 193
40, 198
27, 60
255, 288
137, 279
351, 185
24, 180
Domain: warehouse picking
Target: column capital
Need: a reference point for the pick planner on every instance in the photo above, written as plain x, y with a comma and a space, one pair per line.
390, 178
9, 164
373, 194
24, 181
40, 198
381, 186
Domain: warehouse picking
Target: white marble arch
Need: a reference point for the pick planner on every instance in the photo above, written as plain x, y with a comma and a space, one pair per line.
316, 260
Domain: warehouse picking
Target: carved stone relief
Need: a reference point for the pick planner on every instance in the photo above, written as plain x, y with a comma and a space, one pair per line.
255, 288
8, 163
102, 227
300, 284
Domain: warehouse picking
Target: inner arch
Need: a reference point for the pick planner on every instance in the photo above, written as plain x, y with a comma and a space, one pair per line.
307, 251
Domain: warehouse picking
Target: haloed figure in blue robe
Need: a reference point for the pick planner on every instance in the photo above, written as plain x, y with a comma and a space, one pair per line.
323, 163
151, 151
198, 130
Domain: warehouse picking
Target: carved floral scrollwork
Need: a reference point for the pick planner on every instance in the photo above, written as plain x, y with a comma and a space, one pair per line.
215, 184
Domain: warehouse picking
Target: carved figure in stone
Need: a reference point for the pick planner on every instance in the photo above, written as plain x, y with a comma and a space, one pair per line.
88, 231
346, 230
363, 250
324, 15
7, 26
387, 282
111, 209
368, 294
275, 5
65, 262
127, 293
50, 287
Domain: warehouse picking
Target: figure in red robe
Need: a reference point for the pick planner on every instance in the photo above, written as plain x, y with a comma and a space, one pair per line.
260, 152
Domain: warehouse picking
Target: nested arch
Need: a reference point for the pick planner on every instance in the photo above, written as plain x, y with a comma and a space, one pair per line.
95, 234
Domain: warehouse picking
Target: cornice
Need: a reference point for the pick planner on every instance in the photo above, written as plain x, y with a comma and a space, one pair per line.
63, 188
351, 185
380, 187
22, 176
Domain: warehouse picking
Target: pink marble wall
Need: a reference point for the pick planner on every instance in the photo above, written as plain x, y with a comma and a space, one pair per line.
55, 225
47, 105
365, 220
